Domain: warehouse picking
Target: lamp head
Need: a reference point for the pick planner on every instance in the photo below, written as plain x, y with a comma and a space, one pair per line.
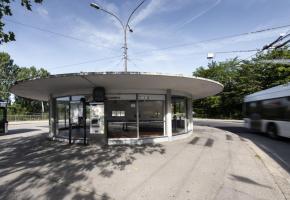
94, 5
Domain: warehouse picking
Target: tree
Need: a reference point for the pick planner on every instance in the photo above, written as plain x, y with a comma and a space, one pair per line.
8, 72
241, 78
28, 106
5, 10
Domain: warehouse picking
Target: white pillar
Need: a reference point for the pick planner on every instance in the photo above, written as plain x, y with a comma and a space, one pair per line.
52, 121
189, 114
168, 115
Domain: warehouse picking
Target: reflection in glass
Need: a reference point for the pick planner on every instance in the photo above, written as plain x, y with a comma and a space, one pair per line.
70, 118
179, 116
121, 118
151, 118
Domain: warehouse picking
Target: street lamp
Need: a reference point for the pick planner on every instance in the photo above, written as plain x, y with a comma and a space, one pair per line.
124, 26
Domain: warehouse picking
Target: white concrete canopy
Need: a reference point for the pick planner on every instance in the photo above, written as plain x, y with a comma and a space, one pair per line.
83, 83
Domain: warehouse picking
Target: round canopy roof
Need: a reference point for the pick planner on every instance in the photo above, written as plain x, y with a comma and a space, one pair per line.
74, 84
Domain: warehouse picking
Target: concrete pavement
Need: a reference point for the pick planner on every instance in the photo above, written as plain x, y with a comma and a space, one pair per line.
212, 164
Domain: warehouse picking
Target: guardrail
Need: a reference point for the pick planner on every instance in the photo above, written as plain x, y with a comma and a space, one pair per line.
36, 117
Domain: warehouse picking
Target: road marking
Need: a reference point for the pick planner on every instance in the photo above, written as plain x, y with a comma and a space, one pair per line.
209, 142
229, 137
194, 140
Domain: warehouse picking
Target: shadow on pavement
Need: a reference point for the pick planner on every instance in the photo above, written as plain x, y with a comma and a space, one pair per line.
36, 164
247, 180
20, 130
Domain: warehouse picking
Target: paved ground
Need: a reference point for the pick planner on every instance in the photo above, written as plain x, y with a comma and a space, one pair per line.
213, 163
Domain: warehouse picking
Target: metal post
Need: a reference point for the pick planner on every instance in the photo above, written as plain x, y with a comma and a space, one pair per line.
125, 27
125, 49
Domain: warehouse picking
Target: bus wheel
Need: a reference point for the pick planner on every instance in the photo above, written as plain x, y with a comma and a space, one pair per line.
272, 131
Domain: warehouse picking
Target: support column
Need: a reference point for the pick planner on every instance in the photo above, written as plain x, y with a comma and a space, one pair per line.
69, 121
168, 115
137, 116
52, 120
83, 100
189, 114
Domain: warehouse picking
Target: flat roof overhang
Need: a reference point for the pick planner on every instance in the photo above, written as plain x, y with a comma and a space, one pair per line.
75, 83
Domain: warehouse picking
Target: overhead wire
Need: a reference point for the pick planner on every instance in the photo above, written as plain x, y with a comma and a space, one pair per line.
57, 34
152, 50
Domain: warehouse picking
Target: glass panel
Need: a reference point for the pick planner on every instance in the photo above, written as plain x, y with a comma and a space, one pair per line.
77, 119
274, 109
70, 114
179, 116
62, 108
151, 118
2, 120
121, 118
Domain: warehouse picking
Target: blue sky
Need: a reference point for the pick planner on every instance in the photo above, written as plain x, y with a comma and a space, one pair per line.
158, 24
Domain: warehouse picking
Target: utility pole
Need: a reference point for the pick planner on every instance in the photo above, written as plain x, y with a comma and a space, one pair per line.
125, 27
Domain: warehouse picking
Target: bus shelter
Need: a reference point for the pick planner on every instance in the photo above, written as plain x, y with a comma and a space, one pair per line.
115, 108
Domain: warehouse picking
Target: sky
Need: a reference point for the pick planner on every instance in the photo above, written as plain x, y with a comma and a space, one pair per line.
70, 36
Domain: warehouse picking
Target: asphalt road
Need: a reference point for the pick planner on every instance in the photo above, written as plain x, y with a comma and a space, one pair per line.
278, 149
212, 164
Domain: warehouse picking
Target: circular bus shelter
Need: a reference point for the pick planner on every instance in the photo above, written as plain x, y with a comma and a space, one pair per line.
118, 107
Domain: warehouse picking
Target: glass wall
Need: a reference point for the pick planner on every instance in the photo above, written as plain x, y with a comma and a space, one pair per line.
179, 115
71, 120
151, 118
2, 119
126, 116
77, 117
62, 115
121, 118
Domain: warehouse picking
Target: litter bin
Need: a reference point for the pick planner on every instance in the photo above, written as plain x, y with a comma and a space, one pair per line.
6, 127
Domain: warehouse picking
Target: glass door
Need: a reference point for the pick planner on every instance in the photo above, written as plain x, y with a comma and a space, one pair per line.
2, 119
151, 118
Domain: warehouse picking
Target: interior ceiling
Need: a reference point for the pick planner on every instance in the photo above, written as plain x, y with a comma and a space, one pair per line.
73, 84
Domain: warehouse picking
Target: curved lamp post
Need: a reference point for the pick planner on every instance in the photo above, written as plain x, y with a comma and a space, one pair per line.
124, 26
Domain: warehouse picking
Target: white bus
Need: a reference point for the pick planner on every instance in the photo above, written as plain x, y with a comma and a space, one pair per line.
268, 111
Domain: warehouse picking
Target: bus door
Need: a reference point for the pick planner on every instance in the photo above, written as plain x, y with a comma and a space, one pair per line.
255, 122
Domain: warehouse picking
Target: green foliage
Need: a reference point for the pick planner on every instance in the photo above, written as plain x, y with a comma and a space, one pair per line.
23, 105
9, 73
5, 10
240, 78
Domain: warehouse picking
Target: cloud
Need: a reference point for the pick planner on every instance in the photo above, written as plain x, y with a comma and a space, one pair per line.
109, 6
99, 38
42, 12
148, 10
194, 17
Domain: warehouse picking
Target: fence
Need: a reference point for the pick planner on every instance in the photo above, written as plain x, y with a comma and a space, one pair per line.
34, 117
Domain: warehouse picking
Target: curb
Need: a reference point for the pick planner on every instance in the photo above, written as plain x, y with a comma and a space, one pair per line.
280, 175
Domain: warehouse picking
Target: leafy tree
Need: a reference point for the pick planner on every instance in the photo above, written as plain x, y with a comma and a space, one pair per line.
8, 72
28, 106
241, 78
5, 10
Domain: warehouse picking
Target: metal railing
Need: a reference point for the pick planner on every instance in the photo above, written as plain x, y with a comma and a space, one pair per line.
34, 117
